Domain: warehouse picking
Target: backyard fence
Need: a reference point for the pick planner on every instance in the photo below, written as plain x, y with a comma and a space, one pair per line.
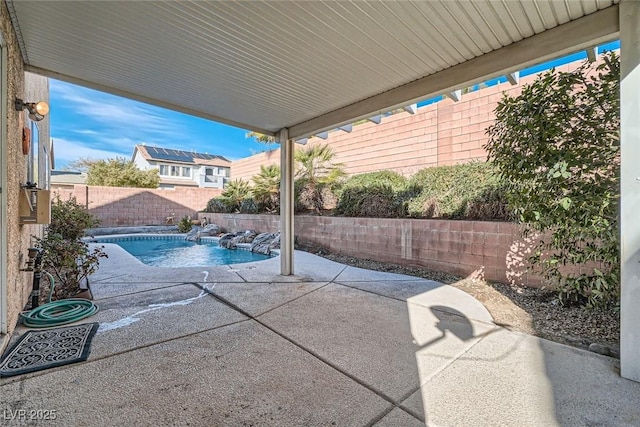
123, 206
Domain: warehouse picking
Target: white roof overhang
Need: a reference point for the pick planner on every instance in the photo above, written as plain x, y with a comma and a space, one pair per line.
305, 66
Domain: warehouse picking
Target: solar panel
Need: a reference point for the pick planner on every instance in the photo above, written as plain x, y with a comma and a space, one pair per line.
173, 155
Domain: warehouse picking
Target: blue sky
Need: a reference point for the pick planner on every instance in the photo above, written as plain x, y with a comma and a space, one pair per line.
89, 124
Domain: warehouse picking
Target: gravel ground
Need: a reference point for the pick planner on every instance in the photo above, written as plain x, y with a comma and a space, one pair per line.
528, 310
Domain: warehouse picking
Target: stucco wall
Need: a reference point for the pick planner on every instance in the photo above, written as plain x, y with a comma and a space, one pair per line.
443, 133
19, 237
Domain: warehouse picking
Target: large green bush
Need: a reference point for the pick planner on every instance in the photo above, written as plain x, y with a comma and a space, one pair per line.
466, 191
377, 201
379, 178
557, 148
375, 194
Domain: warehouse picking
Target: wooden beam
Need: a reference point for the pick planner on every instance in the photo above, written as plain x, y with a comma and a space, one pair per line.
592, 53
346, 128
594, 29
322, 135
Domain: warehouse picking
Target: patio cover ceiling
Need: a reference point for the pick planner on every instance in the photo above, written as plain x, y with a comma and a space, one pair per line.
304, 65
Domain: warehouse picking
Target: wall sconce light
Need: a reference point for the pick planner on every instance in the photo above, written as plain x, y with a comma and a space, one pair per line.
37, 111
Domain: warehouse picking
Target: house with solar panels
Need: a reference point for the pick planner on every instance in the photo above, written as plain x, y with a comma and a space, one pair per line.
179, 168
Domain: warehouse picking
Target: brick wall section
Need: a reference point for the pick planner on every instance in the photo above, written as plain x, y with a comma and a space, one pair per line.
443, 133
121, 206
457, 247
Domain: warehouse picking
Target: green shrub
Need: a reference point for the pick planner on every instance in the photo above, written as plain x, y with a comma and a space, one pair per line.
249, 206
65, 256
217, 205
381, 178
69, 219
467, 191
379, 201
557, 148
185, 225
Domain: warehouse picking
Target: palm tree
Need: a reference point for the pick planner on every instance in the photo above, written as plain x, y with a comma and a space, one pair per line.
235, 192
266, 187
262, 138
316, 173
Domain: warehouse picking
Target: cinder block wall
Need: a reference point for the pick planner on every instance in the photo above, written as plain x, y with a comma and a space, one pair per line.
122, 206
456, 247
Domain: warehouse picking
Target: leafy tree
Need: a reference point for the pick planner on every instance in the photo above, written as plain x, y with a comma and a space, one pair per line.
557, 147
266, 187
316, 175
120, 172
81, 164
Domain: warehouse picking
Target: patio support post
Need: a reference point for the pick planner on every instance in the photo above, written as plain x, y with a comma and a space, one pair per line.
630, 189
286, 202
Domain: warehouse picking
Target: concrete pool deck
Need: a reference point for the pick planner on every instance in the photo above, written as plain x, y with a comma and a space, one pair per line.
332, 345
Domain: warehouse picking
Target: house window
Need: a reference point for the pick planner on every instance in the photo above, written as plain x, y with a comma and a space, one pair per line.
164, 170
208, 171
175, 170
186, 171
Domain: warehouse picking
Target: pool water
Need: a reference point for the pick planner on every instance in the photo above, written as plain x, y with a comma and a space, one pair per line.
177, 252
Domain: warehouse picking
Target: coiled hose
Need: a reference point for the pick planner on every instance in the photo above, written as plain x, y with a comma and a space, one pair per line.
57, 313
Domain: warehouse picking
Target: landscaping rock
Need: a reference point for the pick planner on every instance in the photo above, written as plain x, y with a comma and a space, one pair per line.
193, 235
265, 242
226, 241
197, 232
245, 237
210, 230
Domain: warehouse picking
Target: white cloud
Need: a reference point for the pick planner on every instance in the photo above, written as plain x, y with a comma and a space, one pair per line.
65, 151
117, 114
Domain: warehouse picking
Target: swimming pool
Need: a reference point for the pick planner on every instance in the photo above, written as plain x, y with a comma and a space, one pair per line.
174, 251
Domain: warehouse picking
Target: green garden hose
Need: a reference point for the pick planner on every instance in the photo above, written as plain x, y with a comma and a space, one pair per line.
57, 313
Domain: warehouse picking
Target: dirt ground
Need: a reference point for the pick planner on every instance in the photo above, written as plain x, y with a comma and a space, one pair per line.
528, 310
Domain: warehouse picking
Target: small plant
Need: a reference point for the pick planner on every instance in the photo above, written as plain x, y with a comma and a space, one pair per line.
65, 256
185, 224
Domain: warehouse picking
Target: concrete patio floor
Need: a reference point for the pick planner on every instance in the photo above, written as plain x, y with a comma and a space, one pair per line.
333, 345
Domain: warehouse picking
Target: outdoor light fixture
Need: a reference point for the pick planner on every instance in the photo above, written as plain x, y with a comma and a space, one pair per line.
37, 111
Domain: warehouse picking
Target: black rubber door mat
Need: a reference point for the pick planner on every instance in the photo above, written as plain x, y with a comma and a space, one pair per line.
44, 349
